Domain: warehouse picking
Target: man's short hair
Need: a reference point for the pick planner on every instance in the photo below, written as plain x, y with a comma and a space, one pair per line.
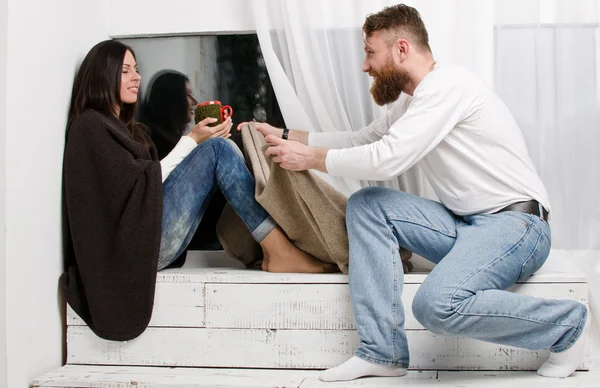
398, 21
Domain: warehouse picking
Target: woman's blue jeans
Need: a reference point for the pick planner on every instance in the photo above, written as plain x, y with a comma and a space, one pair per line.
478, 257
189, 187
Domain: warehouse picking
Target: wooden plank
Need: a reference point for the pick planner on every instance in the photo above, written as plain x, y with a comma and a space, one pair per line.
513, 379
466, 379
323, 306
160, 377
289, 349
421, 379
155, 377
287, 306
279, 306
175, 305
242, 275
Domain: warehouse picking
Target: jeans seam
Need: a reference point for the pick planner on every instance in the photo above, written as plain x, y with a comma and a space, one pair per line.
505, 254
535, 249
401, 364
394, 303
515, 317
578, 333
417, 222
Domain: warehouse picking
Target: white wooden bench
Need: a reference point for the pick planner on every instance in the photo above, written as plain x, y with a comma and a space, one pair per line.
160, 377
240, 318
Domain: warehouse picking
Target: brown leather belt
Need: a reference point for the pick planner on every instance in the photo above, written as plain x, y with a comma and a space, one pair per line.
531, 207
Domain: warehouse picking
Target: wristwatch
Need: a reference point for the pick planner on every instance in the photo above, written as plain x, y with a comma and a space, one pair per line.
285, 134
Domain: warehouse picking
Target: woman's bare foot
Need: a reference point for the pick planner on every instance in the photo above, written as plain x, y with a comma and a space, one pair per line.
300, 262
280, 255
265, 261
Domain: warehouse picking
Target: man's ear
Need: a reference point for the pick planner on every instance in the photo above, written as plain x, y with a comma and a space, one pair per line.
402, 47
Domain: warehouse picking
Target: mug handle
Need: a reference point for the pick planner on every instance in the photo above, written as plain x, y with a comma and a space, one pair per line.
226, 111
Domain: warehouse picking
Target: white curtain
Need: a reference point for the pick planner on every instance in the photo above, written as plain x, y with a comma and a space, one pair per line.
541, 56
547, 70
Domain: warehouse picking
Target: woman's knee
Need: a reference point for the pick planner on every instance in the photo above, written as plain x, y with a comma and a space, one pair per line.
235, 147
214, 142
221, 148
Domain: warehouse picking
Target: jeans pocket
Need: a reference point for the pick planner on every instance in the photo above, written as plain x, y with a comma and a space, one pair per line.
537, 258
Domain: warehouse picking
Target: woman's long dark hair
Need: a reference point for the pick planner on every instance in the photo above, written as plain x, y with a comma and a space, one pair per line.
165, 105
97, 86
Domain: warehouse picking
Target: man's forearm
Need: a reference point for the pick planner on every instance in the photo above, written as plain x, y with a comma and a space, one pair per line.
299, 136
318, 160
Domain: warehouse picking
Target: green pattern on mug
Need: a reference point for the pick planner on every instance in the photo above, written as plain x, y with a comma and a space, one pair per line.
212, 109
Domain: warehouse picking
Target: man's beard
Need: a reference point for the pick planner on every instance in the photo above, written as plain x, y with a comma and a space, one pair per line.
388, 84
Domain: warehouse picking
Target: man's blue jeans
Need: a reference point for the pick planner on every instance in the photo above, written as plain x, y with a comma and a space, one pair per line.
189, 187
477, 257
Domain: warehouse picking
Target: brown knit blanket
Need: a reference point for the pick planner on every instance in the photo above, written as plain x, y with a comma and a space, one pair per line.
114, 201
309, 210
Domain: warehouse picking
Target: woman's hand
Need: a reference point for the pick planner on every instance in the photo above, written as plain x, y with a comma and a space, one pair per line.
202, 131
264, 128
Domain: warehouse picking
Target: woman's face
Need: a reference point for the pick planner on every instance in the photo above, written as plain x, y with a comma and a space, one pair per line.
130, 80
191, 101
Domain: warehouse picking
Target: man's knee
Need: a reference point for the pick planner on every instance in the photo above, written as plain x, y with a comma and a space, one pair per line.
371, 199
433, 310
361, 200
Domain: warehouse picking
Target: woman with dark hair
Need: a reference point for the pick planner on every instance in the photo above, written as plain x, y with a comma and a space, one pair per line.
130, 214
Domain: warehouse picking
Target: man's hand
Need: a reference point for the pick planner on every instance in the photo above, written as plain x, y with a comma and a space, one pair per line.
264, 128
295, 156
267, 129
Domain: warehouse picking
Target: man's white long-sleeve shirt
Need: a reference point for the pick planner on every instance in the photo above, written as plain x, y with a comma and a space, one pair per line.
463, 136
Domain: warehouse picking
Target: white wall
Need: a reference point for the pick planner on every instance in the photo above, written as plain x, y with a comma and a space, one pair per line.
194, 56
46, 46
46, 43
3, 29
156, 17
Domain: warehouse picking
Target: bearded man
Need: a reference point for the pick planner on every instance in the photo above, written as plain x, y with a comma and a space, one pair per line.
488, 231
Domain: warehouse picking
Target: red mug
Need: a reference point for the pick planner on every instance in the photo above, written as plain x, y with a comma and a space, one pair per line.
224, 112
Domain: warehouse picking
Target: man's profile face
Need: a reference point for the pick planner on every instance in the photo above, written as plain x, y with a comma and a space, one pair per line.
388, 79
